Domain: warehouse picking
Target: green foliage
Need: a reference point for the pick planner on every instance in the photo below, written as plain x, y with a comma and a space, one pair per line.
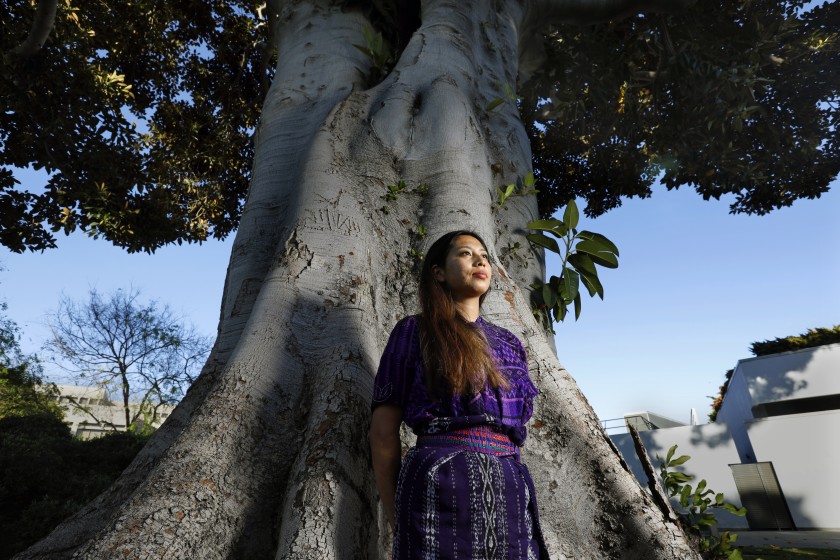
379, 51
717, 401
22, 388
734, 99
813, 337
47, 475
393, 191
142, 113
581, 251
525, 189
509, 95
697, 503
392, 194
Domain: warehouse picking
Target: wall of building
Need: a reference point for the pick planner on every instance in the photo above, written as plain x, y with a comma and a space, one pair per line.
807, 373
711, 450
805, 454
734, 412
91, 413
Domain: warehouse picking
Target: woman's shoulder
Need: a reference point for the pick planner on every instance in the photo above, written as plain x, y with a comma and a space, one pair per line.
406, 328
407, 322
495, 331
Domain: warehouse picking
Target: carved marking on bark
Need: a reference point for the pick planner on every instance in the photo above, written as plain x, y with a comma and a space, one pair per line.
325, 220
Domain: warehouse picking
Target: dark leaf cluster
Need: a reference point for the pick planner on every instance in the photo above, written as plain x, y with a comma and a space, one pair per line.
809, 339
142, 113
46, 475
734, 99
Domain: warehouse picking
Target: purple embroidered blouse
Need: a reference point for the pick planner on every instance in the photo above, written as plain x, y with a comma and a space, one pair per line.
401, 380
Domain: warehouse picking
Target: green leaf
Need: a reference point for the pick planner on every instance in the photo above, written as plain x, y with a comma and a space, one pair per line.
571, 285
735, 554
684, 494
591, 236
741, 512
670, 454
552, 226
577, 306
698, 494
679, 461
549, 295
571, 216
529, 180
493, 104
599, 253
543, 241
590, 286
364, 50
590, 278
583, 264
559, 311
681, 477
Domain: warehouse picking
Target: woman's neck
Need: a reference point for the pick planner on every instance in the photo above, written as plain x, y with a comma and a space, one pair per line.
468, 308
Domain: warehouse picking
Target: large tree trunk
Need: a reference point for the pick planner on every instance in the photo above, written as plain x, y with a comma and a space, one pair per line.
267, 456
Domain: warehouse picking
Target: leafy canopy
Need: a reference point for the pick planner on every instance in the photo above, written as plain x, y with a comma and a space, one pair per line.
142, 113
731, 97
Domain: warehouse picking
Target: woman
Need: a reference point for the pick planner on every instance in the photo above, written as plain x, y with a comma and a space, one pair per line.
461, 384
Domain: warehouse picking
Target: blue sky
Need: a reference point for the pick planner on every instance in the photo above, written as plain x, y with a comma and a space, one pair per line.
695, 286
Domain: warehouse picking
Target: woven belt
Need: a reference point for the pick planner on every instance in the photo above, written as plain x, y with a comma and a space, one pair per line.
476, 438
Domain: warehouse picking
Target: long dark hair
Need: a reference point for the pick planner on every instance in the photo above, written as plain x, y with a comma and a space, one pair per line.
455, 351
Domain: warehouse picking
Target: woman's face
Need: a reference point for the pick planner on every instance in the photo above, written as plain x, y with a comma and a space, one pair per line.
466, 270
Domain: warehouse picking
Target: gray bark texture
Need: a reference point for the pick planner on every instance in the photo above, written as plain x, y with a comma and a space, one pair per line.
267, 456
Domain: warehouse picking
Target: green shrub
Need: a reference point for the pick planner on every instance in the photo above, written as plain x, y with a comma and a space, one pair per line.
46, 475
697, 518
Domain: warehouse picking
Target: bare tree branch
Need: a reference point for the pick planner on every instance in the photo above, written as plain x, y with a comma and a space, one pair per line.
144, 350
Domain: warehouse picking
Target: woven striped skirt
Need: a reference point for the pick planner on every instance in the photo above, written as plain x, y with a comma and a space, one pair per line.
466, 496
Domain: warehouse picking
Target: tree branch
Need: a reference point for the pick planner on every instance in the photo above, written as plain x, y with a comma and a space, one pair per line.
42, 26
656, 491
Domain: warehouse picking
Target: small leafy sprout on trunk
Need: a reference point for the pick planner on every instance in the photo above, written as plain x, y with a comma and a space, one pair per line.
509, 95
416, 236
392, 194
581, 252
380, 53
511, 190
696, 502
394, 191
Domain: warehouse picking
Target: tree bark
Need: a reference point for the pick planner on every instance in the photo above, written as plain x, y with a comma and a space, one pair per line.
42, 26
267, 455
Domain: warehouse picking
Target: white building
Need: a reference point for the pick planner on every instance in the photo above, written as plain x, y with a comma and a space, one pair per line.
90, 413
775, 445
